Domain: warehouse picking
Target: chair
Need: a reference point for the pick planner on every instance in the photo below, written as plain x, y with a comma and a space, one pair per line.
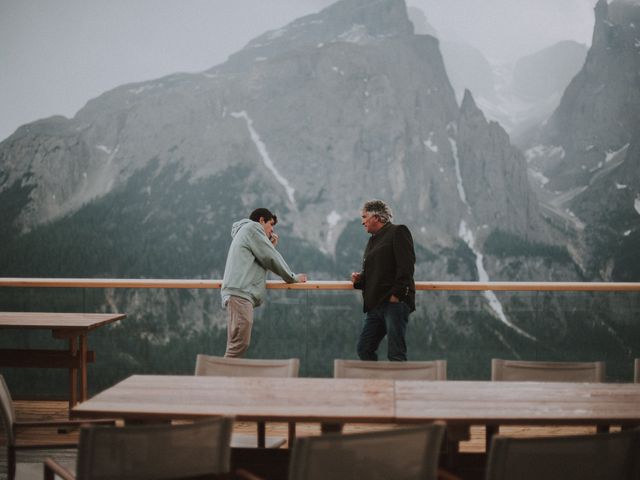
244, 367
540, 371
599, 456
158, 452
430, 370
14, 428
401, 454
636, 370
425, 370
518, 370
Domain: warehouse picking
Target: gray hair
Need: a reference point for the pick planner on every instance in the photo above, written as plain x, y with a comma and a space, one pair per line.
379, 209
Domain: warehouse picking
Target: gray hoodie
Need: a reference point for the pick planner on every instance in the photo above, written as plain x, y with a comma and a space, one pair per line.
251, 255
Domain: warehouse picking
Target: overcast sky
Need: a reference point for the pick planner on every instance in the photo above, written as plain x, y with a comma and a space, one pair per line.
55, 55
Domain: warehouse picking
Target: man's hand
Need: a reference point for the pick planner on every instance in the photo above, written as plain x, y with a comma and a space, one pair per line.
302, 277
355, 277
394, 299
274, 238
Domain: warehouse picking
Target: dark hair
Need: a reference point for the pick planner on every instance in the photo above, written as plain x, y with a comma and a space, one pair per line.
263, 213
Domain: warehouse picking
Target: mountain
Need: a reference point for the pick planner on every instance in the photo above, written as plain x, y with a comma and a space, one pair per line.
585, 158
311, 120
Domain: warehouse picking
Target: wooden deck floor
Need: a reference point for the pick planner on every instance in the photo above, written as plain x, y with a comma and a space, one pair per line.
57, 410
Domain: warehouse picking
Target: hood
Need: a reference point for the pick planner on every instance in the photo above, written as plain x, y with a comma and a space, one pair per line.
235, 228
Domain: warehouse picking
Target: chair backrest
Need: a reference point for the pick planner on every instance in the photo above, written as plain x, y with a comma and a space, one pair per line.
519, 370
429, 370
155, 451
598, 456
636, 370
246, 367
7, 412
399, 454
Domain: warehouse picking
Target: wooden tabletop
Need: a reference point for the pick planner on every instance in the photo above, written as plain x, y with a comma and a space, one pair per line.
486, 403
57, 321
361, 400
268, 399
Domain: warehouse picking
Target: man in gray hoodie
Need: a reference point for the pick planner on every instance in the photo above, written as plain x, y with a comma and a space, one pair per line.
252, 253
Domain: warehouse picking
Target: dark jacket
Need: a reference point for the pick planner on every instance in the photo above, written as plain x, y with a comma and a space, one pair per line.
387, 267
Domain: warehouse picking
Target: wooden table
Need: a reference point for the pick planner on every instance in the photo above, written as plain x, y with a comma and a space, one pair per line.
328, 400
73, 327
337, 401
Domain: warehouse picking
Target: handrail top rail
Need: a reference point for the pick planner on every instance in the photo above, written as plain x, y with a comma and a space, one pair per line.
25, 282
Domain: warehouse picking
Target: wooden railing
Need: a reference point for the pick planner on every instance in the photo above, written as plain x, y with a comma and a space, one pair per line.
316, 285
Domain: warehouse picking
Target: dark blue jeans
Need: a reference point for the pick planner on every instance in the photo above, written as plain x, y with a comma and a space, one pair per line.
388, 319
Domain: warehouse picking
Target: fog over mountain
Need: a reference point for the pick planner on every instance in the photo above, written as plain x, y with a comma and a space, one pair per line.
505, 30
527, 92
516, 89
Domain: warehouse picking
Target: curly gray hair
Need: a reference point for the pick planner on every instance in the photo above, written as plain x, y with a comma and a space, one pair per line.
379, 209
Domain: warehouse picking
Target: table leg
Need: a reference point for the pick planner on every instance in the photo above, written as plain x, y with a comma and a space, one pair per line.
83, 367
262, 434
292, 434
73, 374
490, 431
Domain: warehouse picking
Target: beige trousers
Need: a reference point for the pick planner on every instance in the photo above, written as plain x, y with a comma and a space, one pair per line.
239, 323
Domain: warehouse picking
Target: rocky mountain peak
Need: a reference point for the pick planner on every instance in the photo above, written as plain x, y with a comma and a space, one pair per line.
601, 11
494, 172
468, 106
354, 21
616, 24
380, 17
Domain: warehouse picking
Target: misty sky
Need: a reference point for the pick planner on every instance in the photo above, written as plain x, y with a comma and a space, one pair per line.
55, 55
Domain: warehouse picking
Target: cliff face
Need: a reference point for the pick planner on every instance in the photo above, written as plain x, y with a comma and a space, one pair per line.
585, 158
599, 111
494, 174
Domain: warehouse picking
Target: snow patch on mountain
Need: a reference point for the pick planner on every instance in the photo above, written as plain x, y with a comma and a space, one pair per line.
430, 145
456, 159
466, 234
264, 154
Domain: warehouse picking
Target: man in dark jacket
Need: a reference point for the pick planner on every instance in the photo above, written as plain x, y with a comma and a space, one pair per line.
387, 284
